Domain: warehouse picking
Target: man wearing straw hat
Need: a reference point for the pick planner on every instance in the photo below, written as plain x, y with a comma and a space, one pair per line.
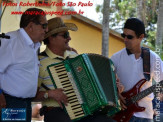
57, 46
58, 49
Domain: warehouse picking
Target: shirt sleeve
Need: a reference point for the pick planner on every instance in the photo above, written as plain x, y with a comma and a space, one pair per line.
5, 55
40, 77
41, 72
114, 60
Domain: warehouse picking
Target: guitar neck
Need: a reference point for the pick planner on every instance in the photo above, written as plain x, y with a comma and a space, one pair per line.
146, 92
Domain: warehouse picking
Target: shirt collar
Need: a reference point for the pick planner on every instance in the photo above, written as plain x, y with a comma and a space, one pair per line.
28, 40
26, 37
130, 53
54, 56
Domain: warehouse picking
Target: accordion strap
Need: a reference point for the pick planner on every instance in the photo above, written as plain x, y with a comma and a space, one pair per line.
146, 62
44, 86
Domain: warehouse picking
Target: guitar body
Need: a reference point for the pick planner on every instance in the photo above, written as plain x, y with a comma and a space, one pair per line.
125, 115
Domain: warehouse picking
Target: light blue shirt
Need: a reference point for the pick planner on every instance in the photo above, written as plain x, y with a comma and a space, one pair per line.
19, 65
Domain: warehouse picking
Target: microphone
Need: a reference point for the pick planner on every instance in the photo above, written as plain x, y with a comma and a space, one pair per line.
4, 36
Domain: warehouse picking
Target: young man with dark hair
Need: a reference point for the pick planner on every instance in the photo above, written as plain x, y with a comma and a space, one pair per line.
129, 66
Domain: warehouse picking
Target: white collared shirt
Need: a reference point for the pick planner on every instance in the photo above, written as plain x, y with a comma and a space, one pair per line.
130, 71
19, 65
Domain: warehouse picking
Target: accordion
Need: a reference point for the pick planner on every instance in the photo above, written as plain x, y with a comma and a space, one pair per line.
89, 82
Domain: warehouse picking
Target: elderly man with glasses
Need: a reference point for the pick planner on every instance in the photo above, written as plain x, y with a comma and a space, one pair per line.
19, 65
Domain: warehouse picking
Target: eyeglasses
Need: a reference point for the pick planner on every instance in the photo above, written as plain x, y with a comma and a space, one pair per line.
44, 26
65, 35
128, 36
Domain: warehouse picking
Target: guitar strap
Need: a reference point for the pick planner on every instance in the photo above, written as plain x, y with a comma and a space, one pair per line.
146, 62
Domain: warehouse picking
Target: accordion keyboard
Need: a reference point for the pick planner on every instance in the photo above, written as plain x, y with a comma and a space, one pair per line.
64, 80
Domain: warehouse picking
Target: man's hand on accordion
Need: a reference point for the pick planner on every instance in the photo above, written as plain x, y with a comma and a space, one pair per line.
59, 96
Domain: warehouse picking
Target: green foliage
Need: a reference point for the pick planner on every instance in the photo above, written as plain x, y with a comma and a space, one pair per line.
98, 8
151, 37
120, 10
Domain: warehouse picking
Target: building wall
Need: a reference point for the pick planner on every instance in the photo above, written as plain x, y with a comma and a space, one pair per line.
88, 39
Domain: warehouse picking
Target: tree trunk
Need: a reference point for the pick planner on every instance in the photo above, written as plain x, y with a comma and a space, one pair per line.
141, 10
159, 36
0, 2
105, 28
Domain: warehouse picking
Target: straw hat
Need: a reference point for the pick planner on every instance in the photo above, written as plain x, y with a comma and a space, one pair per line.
56, 25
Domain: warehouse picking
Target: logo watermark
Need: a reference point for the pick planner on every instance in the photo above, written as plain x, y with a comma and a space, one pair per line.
13, 114
158, 86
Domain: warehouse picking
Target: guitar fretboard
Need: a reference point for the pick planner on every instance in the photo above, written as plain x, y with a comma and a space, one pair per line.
146, 92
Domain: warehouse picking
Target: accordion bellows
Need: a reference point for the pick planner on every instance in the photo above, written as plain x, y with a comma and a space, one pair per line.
89, 82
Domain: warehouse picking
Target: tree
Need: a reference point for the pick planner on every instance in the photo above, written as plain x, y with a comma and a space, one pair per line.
159, 37
146, 10
141, 10
105, 28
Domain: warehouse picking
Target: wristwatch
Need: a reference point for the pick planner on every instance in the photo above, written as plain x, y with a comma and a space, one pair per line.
46, 95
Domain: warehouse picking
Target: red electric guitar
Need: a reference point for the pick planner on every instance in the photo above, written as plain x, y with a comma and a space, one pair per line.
132, 96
